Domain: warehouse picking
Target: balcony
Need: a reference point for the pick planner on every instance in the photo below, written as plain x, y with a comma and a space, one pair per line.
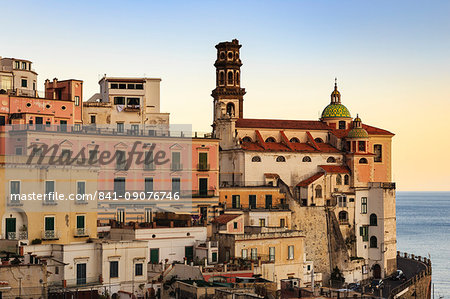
50, 235
202, 193
22, 235
176, 166
132, 108
14, 201
202, 167
149, 167
81, 232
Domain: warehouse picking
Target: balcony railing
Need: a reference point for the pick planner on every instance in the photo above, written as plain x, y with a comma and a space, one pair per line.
202, 167
202, 193
50, 235
176, 166
14, 202
81, 232
279, 207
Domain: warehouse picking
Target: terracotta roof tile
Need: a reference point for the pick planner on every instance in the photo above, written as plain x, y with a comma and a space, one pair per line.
281, 124
294, 147
310, 180
225, 218
335, 168
371, 130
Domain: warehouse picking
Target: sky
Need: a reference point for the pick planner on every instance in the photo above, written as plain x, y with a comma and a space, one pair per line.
391, 59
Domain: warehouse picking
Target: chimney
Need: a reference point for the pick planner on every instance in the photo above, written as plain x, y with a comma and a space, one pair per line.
55, 81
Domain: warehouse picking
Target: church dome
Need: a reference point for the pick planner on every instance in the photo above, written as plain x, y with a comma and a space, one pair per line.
335, 110
358, 133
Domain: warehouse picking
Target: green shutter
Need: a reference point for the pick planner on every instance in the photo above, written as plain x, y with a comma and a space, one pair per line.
361, 231
80, 221
49, 223
154, 255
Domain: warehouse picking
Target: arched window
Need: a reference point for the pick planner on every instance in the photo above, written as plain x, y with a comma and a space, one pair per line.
343, 217
346, 179
230, 77
281, 159
238, 79
247, 139
318, 140
331, 160
306, 159
338, 179
363, 161
319, 191
256, 159
221, 78
270, 139
373, 220
342, 125
294, 140
230, 109
373, 242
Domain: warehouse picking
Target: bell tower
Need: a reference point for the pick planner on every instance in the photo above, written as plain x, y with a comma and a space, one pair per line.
228, 94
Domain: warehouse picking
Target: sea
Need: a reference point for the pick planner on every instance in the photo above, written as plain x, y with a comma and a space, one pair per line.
423, 228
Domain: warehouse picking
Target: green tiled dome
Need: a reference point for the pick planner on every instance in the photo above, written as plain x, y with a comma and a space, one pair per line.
335, 110
358, 133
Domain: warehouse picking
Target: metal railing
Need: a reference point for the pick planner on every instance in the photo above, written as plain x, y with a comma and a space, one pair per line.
176, 166
202, 167
81, 232
50, 235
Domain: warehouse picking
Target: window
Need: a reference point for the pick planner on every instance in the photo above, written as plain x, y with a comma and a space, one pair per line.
16, 64
331, 160
114, 269
262, 222
49, 227
230, 109
148, 185
270, 139
373, 220
247, 139
15, 187
244, 253
139, 86
130, 86
138, 269
120, 127
122, 86
268, 201
294, 140
203, 161
252, 201
290, 252
176, 186
342, 201
346, 179
318, 191
235, 225
235, 202
77, 101
120, 215
362, 146
18, 151
373, 242
306, 159
24, 83
148, 215
256, 159
254, 254
92, 119
148, 161
342, 125
133, 102
80, 224
338, 179
318, 140
134, 129
49, 191
230, 77
272, 254
114, 86
66, 154
119, 186
221, 78
343, 217
238, 80
363, 205
154, 255
282, 222
93, 156
24, 65
364, 232
176, 161
81, 190
121, 162
363, 161
378, 151
119, 100
281, 159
